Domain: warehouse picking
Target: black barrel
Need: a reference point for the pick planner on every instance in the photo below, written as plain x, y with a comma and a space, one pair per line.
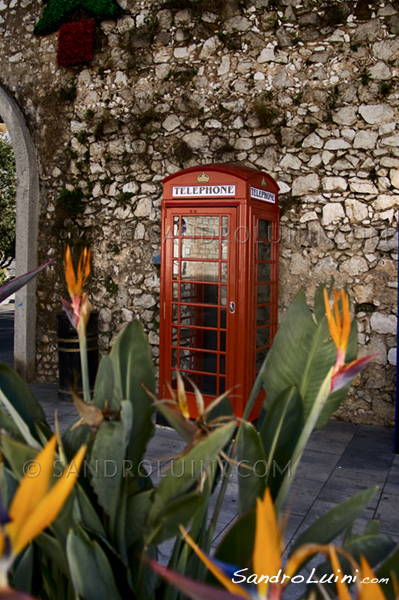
69, 369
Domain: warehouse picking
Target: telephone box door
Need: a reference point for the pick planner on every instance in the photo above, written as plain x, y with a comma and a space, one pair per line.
199, 299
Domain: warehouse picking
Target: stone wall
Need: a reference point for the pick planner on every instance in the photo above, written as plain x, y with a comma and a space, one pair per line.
306, 90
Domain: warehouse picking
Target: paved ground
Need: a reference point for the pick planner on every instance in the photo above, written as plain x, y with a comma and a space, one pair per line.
340, 460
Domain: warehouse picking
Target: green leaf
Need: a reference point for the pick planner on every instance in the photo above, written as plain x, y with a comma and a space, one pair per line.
186, 469
387, 571
54, 550
280, 433
237, 545
336, 520
302, 354
22, 576
185, 428
106, 464
18, 455
177, 512
86, 514
19, 400
138, 508
104, 385
250, 453
91, 573
132, 364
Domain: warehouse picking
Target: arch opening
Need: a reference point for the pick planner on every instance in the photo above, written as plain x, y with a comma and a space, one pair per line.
27, 212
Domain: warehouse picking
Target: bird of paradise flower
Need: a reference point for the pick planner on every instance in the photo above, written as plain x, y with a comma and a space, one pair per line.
34, 506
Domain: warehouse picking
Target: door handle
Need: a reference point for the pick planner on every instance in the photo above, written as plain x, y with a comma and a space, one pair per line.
232, 308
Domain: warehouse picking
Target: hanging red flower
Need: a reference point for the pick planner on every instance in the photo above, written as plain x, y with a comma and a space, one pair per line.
76, 20
76, 42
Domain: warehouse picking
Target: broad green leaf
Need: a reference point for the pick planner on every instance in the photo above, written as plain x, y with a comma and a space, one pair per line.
280, 433
106, 463
18, 455
8, 425
186, 469
133, 369
19, 400
138, 508
75, 436
90, 570
22, 573
177, 512
388, 571
302, 355
250, 455
85, 513
104, 385
54, 550
335, 521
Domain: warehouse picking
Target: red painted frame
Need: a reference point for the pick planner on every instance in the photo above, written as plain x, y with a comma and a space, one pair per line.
255, 196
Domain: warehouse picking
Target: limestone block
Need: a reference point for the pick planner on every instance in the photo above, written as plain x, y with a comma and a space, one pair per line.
356, 211
362, 187
282, 79
313, 141
385, 201
225, 65
196, 140
382, 323
392, 141
386, 49
304, 185
380, 71
171, 122
389, 245
131, 186
308, 216
144, 208
291, 162
299, 264
392, 356
376, 113
332, 213
376, 346
237, 24
209, 47
337, 144
267, 55
325, 267
354, 266
367, 31
334, 184
345, 116
365, 139
145, 301
394, 177
363, 293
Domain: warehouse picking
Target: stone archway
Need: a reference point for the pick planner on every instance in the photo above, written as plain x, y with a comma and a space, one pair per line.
26, 233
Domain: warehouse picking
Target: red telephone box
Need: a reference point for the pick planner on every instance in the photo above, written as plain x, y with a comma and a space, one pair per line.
219, 280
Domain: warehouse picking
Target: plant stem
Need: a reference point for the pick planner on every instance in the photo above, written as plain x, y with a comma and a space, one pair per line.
84, 365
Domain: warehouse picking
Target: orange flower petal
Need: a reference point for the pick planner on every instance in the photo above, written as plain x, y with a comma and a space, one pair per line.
44, 513
342, 588
266, 557
32, 488
369, 591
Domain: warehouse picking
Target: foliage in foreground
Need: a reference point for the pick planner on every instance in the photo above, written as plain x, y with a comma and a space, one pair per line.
107, 540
